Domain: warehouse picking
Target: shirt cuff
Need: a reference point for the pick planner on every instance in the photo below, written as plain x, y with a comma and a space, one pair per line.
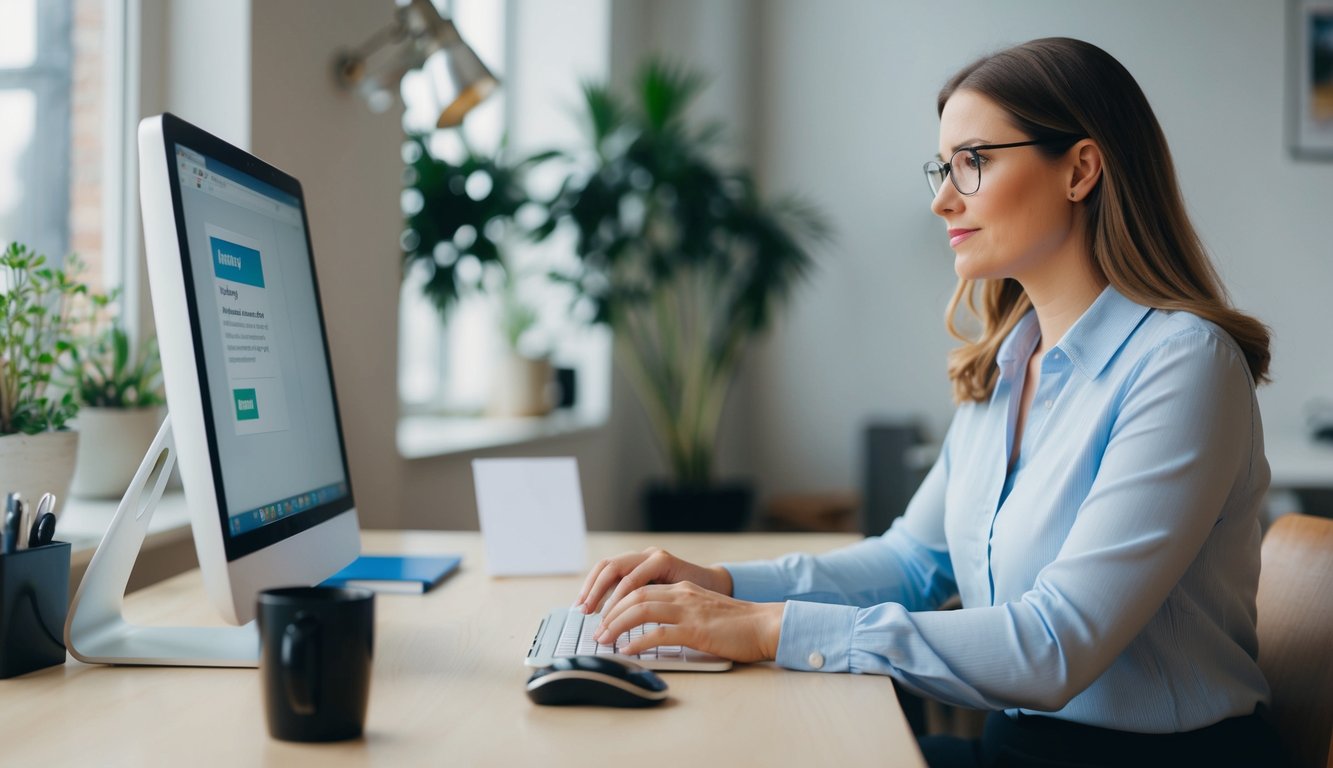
758, 582
816, 636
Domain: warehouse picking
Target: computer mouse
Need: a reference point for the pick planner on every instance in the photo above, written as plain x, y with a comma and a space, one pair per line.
608, 681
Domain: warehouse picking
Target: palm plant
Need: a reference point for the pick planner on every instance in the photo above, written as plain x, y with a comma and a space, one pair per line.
685, 260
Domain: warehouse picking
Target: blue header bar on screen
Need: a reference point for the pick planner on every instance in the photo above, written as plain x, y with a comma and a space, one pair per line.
250, 182
236, 262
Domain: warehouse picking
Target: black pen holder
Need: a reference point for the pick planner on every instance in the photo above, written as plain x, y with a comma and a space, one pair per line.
34, 600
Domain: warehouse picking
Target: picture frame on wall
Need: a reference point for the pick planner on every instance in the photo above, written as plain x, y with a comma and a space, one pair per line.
1310, 89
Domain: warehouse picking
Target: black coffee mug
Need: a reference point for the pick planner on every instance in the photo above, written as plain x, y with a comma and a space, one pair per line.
315, 650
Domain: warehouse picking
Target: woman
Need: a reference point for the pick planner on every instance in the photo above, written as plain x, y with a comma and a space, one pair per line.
1096, 500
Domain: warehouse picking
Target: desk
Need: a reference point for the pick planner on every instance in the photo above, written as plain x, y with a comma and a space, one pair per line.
448, 688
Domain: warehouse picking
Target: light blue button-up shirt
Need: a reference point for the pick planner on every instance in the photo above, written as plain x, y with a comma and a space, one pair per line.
1108, 580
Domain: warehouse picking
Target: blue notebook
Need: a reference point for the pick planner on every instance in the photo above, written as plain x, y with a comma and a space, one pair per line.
395, 573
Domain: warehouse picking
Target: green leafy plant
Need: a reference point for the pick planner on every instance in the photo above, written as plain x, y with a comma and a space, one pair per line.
37, 328
456, 210
684, 259
102, 369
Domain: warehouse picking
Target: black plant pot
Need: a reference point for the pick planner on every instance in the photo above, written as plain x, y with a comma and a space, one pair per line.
718, 508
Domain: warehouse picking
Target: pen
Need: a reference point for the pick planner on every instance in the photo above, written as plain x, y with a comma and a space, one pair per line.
13, 517
25, 523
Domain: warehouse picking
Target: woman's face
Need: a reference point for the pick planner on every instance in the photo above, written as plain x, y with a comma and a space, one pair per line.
1020, 220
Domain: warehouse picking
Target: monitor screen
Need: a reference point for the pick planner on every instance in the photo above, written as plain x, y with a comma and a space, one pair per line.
270, 410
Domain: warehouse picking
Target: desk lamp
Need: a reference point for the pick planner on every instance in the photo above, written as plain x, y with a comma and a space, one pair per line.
419, 38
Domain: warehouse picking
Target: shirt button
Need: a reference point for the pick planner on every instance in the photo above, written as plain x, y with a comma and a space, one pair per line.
816, 660
1050, 403
1055, 355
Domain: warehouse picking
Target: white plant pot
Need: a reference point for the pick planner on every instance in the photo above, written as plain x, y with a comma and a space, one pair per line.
37, 464
112, 442
521, 387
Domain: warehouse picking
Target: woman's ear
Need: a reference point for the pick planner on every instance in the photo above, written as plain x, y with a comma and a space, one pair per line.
1086, 170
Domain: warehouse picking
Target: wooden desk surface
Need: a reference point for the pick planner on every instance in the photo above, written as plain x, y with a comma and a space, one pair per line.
448, 688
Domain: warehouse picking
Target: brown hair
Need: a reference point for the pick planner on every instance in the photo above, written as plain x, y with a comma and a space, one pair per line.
1138, 233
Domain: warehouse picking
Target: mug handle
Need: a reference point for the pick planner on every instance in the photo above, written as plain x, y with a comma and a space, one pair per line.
299, 660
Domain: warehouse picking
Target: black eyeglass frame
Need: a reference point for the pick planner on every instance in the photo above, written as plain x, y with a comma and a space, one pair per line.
947, 168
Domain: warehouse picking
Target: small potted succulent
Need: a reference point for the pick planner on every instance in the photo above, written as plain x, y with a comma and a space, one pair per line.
37, 329
119, 391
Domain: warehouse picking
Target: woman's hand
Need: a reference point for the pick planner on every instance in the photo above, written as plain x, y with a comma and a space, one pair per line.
653, 565
696, 617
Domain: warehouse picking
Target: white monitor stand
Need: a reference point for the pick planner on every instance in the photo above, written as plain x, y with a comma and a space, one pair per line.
97, 632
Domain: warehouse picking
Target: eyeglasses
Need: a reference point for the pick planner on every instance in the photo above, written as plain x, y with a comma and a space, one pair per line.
965, 172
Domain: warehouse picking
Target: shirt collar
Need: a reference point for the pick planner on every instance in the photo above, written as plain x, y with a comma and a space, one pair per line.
1090, 344
1017, 348
1102, 330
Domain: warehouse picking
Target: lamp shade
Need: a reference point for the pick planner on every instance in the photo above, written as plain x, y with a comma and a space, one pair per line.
420, 39
459, 80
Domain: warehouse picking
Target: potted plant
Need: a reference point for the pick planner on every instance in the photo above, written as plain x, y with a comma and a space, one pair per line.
456, 211
37, 322
687, 263
465, 210
121, 403
523, 381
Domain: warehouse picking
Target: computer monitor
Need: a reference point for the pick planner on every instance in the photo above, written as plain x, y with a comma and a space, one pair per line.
246, 368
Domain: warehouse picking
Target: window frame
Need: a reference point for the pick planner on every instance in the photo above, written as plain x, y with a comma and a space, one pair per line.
48, 77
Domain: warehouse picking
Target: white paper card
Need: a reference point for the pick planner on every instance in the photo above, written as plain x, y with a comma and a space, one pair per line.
531, 513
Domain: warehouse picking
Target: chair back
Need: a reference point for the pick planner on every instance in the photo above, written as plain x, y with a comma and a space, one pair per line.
1295, 604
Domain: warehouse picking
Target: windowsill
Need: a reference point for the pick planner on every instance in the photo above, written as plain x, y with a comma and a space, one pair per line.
423, 437
85, 521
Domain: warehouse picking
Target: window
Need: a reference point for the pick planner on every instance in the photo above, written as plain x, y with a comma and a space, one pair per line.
51, 99
443, 368
542, 53
35, 66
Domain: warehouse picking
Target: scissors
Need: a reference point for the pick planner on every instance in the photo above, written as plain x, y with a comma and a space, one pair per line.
43, 528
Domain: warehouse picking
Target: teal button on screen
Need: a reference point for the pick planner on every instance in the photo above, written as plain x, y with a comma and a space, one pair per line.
247, 408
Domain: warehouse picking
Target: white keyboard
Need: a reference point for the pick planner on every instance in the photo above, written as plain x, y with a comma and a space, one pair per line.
576, 639
568, 632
